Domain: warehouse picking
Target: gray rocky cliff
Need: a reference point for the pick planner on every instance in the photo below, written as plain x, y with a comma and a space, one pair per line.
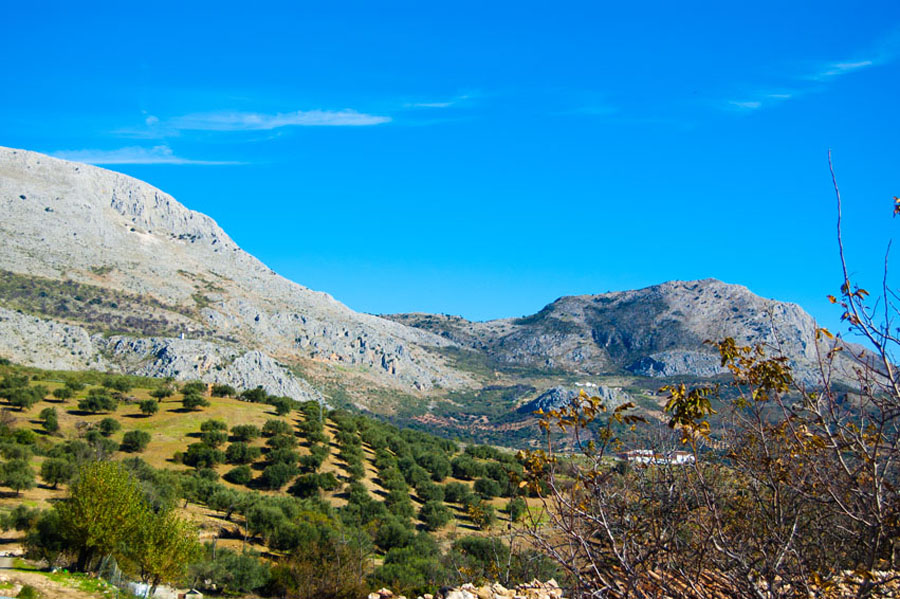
65, 221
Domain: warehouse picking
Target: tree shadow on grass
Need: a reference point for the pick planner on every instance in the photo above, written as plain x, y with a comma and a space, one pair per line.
83, 413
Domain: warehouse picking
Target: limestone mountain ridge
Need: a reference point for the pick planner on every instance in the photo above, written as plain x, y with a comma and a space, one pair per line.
101, 270
191, 303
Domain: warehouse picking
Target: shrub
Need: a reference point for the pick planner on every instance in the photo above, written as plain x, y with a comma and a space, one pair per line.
222, 390
434, 514
160, 393
466, 468
193, 388
25, 397
213, 425
277, 475
28, 592
74, 385
241, 453
17, 475
135, 441
200, 455
456, 492
282, 405
516, 508
50, 420
55, 471
108, 426
306, 485
149, 407
214, 438
283, 456
487, 488
117, 383
325, 568
257, 395
240, 475
276, 427
63, 393
436, 464
282, 441
193, 401
430, 492
245, 432
98, 400
482, 514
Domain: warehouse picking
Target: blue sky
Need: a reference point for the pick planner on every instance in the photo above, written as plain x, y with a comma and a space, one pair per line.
484, 158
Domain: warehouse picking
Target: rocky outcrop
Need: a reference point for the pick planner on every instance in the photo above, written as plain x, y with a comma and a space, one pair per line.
65, 221
559, 397
52, 345
27, 339
678, 363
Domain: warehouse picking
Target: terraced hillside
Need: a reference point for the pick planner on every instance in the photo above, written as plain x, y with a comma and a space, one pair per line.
255, 471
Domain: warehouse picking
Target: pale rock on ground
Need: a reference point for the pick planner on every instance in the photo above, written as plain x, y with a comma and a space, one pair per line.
532, 590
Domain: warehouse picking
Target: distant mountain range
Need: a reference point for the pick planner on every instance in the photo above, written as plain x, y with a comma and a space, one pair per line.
100, 270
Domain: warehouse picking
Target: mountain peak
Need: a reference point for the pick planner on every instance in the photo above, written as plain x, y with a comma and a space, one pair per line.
71, 223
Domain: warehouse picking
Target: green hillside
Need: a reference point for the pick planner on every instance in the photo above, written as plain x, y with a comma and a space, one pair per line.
263, 475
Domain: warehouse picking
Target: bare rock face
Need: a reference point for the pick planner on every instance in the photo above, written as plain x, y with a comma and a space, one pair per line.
678, 362
48, 344
658, 331
559, 397
70, 222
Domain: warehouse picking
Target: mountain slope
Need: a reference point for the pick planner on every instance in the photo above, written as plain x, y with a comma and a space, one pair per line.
149, 286
656, 331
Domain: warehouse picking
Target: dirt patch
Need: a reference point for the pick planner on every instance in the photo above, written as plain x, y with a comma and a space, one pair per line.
12, 581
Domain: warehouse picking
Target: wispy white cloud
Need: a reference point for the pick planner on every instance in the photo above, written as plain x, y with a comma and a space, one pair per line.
256, 121
818, 77
230, 120
429, 104
745, 104
836, 69
444, 103
759, 100
161, 154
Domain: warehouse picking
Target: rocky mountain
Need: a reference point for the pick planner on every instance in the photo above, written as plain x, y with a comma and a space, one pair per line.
657, 331
100, 270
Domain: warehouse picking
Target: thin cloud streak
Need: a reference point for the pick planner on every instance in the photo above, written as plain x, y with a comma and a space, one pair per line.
745, 104
428, 104
236, 121
837, 69
887, 50
254, 121
133, 155
440, 103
